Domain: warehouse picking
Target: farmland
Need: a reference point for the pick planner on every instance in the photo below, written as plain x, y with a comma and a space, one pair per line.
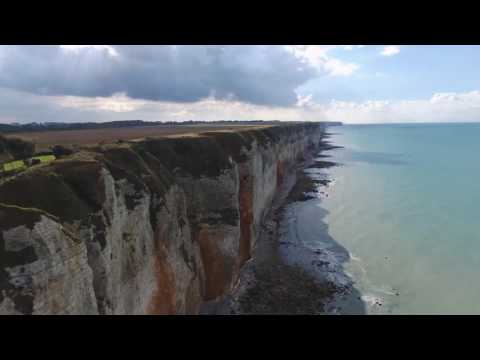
21, 150
45, 139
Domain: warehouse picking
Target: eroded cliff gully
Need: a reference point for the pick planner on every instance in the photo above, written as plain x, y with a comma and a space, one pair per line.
159, 226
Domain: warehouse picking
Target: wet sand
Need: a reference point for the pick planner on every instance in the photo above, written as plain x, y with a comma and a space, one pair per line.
297, 267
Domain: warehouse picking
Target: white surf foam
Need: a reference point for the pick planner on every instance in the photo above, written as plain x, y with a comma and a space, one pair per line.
371, 299
355, 258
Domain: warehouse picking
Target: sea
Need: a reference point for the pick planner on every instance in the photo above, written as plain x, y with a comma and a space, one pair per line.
404, 203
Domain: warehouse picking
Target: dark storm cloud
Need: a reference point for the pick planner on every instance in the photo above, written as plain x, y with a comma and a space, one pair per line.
265, 75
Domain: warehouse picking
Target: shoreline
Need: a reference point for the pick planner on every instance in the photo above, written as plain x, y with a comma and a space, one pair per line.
284, 276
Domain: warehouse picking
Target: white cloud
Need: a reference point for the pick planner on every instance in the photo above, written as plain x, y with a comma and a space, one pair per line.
182, 114
77, 48
121, 106
352, 47
337, 67
390, 50
318, 56
440, 107
118, 103
304, 100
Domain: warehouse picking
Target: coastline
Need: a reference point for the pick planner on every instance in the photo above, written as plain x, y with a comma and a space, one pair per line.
161, 225
284, 275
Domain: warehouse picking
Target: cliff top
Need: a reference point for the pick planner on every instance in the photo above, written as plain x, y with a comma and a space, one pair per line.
71, 187
88, 137
44, 140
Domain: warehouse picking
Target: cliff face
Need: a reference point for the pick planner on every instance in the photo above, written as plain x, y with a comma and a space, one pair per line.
152, 227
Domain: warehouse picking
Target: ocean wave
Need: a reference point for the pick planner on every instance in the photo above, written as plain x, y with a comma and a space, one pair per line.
371, 299
354, 258
383, 291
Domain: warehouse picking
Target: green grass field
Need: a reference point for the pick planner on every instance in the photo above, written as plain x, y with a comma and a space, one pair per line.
18, 165
44, 158
14, 165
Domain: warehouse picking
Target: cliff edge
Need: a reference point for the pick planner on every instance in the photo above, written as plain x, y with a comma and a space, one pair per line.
157, 226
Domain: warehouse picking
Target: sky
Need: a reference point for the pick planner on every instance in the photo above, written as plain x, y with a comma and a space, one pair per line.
348, 83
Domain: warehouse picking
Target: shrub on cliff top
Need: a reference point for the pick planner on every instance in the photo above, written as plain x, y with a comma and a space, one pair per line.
233, 143
68, 189
46, 191
135, 165
60, 151
16, 148
196, 156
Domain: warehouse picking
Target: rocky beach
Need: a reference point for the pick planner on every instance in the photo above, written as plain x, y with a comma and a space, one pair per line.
284, 275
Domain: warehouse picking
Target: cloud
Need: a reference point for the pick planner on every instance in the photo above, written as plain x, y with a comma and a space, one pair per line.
352, 47
390, 50
23, 107
304, 100
337, 67
320, 58
265, 75
440, 107
118, 103
164, 83
77, 48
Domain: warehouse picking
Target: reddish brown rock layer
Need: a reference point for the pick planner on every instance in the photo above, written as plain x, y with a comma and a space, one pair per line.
163, 299
218, 267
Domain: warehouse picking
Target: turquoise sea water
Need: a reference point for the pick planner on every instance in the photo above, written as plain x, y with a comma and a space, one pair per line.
405, 204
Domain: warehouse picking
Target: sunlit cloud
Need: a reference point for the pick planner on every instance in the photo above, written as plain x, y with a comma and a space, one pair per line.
77, 48
390, 50
320, 57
